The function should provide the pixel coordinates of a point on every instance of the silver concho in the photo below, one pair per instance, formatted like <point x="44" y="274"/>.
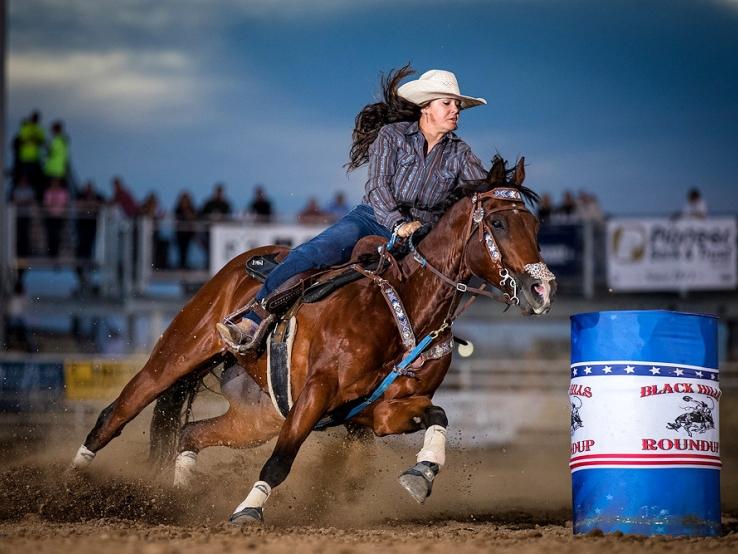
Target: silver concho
<point x="439" y="350"/>
<point x="406" y="330"/>
<point x="478" y="215"/>
<point x="494" y="252"/>
<point x="539" y="271"/>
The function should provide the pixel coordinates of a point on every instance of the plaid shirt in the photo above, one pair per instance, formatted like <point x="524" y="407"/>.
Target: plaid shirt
<point x="401" y="174"/>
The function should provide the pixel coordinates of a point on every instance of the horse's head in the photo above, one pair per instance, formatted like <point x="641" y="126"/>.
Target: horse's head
<point x="502" y="247"/>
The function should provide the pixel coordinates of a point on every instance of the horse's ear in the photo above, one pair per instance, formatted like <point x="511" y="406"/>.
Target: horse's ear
<point x="519" y="176"/>
<point x="497" y="174"/>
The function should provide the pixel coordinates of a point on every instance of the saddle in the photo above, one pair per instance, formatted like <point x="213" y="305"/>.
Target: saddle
<point x="315" y="285"/>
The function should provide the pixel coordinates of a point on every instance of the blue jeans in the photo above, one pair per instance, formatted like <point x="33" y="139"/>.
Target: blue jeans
<point x="331" y="247"/>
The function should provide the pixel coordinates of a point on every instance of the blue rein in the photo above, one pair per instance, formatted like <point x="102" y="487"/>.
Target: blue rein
<point x="397" y="371"/>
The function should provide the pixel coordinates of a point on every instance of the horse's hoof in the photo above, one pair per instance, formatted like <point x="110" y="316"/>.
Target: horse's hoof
<point x="247" y="516"/>
<point x="418" y="480"/>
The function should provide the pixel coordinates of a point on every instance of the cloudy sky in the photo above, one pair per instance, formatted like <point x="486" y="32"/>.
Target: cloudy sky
<point x="634" y="100"/>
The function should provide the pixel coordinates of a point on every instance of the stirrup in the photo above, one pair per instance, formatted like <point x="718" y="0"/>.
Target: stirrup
<point x="251" y="344"/>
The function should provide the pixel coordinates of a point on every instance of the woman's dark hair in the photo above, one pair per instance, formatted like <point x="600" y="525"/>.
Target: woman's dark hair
<point x="373" y="117"/>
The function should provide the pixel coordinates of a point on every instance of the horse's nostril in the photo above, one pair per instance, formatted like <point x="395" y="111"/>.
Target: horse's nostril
<point x="539" y="289"/>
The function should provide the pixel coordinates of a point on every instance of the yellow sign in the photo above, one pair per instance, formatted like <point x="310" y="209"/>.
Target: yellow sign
<point x="98" y="379"/>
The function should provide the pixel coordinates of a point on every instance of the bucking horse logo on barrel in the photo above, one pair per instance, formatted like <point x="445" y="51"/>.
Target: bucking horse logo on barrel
<point x="696" y="419"/>
<point x="576" y="419"/>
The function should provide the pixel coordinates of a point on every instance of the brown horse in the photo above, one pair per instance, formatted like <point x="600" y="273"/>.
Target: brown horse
<point x="344" y="347"/>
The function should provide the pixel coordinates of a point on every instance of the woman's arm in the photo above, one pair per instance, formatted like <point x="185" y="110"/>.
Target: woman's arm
<point x="471" y="168"/>
<point x="382" y="166"/>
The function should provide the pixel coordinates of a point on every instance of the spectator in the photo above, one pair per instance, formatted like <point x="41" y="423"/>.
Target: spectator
<point x="312" y="214"/>
<point x="216" y="207"/>
<point x="160" y="246"/>
<point x="88" y="204"/>
<point x="338" y="207"/>
<point x="56" y="201"/>
<point x="567" y="210"/>
<point x="588" y="208"/>
<point x="260" y="207"/>
<point x="15" y="146"/>
<point x="545" y="209"/>
<point x="31" y="139"/>
<point x="123" y="199"/>
<point x="150" y="207"/>
<point x="696" y="207"/>
<point x="57" y="158"/>
<point x="24" y="200"/>
<point x="186" y="218"/>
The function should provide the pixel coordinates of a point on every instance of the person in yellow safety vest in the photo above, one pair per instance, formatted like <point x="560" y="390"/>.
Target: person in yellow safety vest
<point x="57" y="159"/>
<point x="31" y="139"/>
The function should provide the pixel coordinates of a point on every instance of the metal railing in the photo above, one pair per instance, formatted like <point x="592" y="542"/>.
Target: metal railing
<point x="129" y="256"/>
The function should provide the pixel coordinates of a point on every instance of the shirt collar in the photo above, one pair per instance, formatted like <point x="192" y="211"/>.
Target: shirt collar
<point x="414" y="129"/>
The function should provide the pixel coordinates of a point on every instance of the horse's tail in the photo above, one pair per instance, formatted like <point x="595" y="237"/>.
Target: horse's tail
<point x="171" y="412"/>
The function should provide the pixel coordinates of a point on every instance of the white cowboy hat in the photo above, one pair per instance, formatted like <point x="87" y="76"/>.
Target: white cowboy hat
<point x="433" y="84"/>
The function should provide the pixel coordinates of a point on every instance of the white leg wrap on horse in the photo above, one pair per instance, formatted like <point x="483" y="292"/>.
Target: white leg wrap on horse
<point x="83" y="458"/>
<point x="434" y="446"/>
<point x="257" y="497"/>
<point x="184" y="468"/>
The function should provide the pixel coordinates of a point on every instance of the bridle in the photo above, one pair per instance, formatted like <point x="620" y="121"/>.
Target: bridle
<point x="477" y="222"/>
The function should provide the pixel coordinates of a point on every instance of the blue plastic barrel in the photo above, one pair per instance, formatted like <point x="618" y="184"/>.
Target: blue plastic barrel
<point x="645" y="446"/>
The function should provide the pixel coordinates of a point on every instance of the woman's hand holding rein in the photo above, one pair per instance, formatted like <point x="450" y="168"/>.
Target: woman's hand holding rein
<point x="407" y="229"/>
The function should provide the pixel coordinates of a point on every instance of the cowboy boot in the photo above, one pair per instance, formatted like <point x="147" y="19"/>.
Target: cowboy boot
<point x="236" y="334"/>
<point x="244" y="336"/>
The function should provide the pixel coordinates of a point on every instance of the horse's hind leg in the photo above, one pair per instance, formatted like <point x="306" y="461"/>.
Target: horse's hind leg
<point x="157" y="375"/>
<point x="250" y="421"/>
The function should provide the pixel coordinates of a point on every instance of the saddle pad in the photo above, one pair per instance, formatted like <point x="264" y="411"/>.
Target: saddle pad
<point x="279" y="355"/>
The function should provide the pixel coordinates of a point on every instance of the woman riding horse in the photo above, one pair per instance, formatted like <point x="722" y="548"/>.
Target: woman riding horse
<point x="346" y="368"/>
<point x="415" y="159"/>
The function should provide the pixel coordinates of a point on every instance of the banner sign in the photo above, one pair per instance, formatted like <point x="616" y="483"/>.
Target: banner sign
<point x="26" y="386"/>
<point x="562" y="249"/>
<point x="667" y="255"/>
<point x="228" y="240"/>
<point x="98" y="379"/>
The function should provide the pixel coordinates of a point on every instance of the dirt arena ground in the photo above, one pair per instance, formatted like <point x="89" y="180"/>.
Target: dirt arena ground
<point x="503" y="499"/>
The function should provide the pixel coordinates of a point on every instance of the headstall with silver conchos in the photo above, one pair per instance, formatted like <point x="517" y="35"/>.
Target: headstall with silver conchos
<point x="537" y="270"/>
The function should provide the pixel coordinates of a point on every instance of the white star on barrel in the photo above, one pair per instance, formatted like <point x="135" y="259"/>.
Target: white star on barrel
<point x="629" y="369"/>
<point x="655" y="370"/>
<point x="607" y="369"/>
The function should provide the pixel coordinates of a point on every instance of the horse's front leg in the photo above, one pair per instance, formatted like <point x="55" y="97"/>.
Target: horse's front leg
<point x="406" y="416"/>
<point x="307" y="411"/>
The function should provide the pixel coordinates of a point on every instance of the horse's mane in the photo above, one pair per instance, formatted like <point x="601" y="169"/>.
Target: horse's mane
<point x="493" y="180"/>
<point x="498" y="176"/>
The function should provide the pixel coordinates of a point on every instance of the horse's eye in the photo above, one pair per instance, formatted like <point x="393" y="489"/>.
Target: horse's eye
<point x="497" y="224"/>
